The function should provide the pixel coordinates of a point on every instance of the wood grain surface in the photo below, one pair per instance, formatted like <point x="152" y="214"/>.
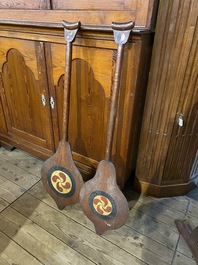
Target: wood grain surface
<point x="25" y="4"/>
<point x="167" y="151"/>
<point x="95" y="12"/>
<point x="34" y="231"/>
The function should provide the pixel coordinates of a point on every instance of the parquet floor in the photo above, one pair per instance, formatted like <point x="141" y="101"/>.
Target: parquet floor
<point x="34" y="231"/>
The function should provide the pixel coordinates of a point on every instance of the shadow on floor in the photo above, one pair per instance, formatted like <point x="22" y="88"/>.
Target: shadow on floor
<point x="193" y="194"/>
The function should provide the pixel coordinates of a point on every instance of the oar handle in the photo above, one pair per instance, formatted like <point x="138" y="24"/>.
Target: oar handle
<point x="123" y="26"/>
<point x="70" y="31"/>
<point x="121" y="35"/>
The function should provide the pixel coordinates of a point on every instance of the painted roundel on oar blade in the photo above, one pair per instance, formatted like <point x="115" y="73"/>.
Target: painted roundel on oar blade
<point x="61" y="181"/>
<point x="102" y="204"/>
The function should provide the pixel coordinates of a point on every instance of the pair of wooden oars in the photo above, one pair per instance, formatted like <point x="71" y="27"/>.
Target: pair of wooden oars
<point x="101" y="199"/>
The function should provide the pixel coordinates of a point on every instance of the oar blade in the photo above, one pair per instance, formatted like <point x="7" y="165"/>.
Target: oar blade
<point x="61" y="178"/>
<point x="102" y="201"/>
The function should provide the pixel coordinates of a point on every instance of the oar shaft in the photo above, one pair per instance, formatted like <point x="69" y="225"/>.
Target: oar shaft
<point x="66" y="97"/>
<point x="70" y="31"/>
<point x="121" y="35"/>
<point x="114" y="102"/>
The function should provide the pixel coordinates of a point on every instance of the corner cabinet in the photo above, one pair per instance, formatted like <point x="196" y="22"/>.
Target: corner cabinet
<point x="32" y="61"/>
<point x="167" y="163"/>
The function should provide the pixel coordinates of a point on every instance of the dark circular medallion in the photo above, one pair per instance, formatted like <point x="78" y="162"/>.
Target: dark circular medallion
<point x="61" y="181"/>
<point x="102" y="204"/>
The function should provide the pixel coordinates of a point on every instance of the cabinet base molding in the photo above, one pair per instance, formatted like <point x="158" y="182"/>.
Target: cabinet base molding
<point x="86" y="165"/>
<point x="160" y="191"/>
<point x="7" y="146"/>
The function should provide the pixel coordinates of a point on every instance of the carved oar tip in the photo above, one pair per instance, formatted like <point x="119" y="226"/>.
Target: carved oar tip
<point x="123" y="25"/>
<point x="71" y="25"/>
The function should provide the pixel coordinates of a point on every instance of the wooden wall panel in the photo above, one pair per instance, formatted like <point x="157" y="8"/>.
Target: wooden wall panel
<point x="166" y="151"/>
<point x="143" y="12"/>
<point x="25" y="4"/>
<point x="95" y="5"/>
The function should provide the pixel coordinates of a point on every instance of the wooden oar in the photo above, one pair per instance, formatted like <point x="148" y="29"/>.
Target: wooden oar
<point x="59" y="175"/>
<point x="101" y="199"/>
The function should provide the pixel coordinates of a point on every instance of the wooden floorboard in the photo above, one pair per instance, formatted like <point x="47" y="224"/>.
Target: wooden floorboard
<point x="3" y="204"/>
<point x="18" y="176"/>
<point x="35" y="240"/>
<point x="73" y="234"/>
<point x="34" y="231"/>
<point x="9" y="191"/>
<point x="125" y="238"/>
<point x="14" y="254"/>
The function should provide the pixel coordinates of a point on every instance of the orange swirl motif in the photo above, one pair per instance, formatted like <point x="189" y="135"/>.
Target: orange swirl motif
<point x="61" y="182"/>
<point x="102" y="205"/>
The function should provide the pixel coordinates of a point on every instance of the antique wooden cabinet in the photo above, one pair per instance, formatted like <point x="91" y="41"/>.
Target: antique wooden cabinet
<point x="169" y="137"/>
<point x="32" y="60"/>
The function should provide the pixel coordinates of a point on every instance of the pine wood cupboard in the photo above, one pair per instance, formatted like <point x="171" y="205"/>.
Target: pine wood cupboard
<point x="32" y="60"/>
<point x="167" y="161"/>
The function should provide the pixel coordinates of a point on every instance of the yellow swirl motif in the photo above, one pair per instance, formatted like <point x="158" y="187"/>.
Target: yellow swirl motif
<point x="61" y="182"/>
<point x="102" y="205"/>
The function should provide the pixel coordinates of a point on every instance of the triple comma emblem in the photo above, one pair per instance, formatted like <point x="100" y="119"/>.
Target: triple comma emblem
<point x="102" y="204"/>
<point x="61" y="181"/>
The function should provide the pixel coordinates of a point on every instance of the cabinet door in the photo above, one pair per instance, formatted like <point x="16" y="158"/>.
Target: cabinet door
<point x="24" y="94"/>
<point x="2" y="120"/>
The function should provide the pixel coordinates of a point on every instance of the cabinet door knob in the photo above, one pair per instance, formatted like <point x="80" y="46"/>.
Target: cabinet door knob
<point x="52" y="102"/>
<point x="180" y="120"/>
<point x="43" y="100"/>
